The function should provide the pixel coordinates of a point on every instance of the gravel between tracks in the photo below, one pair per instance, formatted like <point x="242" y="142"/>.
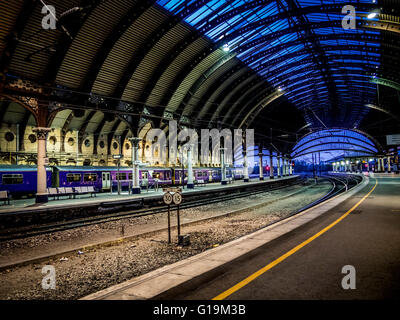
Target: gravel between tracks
<point x="97" y="269"/>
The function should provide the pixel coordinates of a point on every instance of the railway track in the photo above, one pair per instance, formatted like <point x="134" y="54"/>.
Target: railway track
<point x="339" y="184"/>
<point x="34" y="230"/>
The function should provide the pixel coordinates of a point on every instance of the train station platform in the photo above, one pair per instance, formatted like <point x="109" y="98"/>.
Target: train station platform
<point x="111" y="198"/>
<point x="299" y="258"/>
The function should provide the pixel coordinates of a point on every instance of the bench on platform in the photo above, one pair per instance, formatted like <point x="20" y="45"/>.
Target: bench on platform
<point x="59" y="192"/>
<point x="85" y="190"/>
<point x="200" y="182"/>
<point x="4" y="196"/>
<point x="52" y="192"/>
<point x="66" y="191"/>
<point x="92" y="191"/>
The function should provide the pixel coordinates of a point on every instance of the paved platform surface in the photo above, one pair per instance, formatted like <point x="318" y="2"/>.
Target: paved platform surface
<point x="368" y="239"/>
<point x="29" y="204"/>
<point x="316" y="273"/>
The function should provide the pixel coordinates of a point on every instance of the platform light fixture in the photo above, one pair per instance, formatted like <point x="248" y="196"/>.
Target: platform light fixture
<point x="226" y="47"/>
<point x="373" y="14"/>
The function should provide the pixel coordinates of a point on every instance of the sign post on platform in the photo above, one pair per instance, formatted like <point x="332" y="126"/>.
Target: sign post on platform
<point x="168" y="200"/>
<point x="173" y="195"/>
<point x="177" y="198"/>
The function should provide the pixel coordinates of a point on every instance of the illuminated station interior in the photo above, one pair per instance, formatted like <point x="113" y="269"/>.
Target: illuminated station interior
<point x="113" y="111"/>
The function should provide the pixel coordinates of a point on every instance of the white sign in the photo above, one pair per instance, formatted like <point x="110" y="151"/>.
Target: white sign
<point x="177" y="198"/>
<point x="393" y="139"/>
<point x="167" y="198"/>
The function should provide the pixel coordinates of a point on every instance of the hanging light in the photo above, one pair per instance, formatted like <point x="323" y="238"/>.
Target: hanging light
<point x="373" y="14"/>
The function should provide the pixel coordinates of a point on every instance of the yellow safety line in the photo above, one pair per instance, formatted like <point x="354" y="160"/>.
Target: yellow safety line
<point x="269" y="266"/>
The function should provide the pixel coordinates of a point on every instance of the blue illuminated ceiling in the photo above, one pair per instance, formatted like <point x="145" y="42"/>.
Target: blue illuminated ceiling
<point x="299" y="46"/>
<point x="346" y="142"/>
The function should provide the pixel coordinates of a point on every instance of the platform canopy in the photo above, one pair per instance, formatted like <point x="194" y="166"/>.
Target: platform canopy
<point x="282" y="67"/>
<point x="336" y="142"/>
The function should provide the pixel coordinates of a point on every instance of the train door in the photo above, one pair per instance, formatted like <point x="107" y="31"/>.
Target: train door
<point x="106" y="180"/>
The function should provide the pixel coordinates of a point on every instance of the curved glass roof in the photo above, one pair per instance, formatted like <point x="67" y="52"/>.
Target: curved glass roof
<point x="337" y="142"/>
<point x="299" y="46"/>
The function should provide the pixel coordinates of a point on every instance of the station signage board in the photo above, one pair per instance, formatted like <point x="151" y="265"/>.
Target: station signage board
<point x="393" y="139"/>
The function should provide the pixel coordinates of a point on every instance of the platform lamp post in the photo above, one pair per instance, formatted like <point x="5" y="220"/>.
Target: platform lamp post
<point x="135" y="164"/>
<point x="223" y="168"/>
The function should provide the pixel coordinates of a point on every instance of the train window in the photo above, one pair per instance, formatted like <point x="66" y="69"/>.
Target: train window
<point x="122" y="176"/>
<point x="130" y="176"/>
<point x="88" y="177"/>
<point x="73" y="177"/>
<point x="156" y="175"/>
<point x="13" y="179"/>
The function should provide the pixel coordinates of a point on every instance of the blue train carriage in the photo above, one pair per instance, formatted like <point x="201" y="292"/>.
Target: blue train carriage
<point x="199" y="173"/>
<point x="21" y="181"/>
<point x="163" y="175"/>
<point x="103" y="179"/>
<point x="79" y="176"/>
<point x="147" y="177"/>
<point x="237" y="173"/>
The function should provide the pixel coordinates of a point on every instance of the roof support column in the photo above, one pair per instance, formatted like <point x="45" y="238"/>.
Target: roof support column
<point x="135" y="165"/>
<point x="388" y="164"/>
<point x="190" y="184"/>
<point x="260" y="162"/>
<point x="271" y="165"/>
<point x="245" y="167"/>
<point x="41" y="192"/>
<point x="279" y="165"/>
<point x="284" y="167"/>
